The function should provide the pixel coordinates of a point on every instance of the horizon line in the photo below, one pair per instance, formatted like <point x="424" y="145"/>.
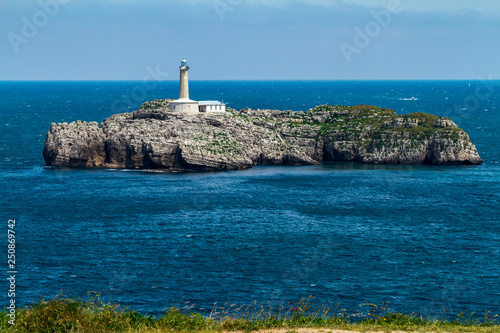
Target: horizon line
<point x="254" y="80"/>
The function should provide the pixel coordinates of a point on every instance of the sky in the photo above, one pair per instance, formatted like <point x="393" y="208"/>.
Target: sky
<point x="250" y="39"/>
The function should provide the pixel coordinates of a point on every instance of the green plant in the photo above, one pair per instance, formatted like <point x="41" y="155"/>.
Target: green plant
<point x="63" y="314"/>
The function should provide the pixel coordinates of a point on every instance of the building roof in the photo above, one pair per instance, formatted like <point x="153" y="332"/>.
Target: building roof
<point x="210" y="103"/>
<point x="183" y="100"/>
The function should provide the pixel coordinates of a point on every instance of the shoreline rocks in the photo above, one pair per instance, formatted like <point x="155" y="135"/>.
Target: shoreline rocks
<point x="154" y="138"/>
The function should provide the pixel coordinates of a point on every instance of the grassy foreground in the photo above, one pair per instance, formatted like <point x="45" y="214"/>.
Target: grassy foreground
<point x="63" y="314"/>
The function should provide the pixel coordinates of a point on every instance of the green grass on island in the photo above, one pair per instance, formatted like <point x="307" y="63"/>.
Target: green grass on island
<point x="353" y="121"/>
<point x="62" y="314"/>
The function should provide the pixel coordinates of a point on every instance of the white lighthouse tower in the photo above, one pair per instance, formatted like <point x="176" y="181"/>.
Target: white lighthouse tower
<point x="184" y="80"/>
<point x="184" y="104"/>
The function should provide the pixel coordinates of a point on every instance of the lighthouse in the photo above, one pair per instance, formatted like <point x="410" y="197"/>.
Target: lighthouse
<point x="184" y="80"/>
<point x="186" y="106"/>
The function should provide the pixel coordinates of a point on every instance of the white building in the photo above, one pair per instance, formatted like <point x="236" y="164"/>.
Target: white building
<point x="211" y="106"/>
<point x="188" y="106"/>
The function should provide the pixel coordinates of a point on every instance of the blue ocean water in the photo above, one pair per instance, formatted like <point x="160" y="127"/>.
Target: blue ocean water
<point x="423" y="238"/>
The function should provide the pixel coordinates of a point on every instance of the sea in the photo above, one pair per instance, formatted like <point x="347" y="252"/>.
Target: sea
<point x="424" y="239"/>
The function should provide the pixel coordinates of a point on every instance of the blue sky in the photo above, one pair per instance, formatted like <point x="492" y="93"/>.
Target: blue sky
<point x="249" y="39"/>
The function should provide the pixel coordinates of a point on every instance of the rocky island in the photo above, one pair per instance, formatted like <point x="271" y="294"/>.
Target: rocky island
<point x="155" y="138"/>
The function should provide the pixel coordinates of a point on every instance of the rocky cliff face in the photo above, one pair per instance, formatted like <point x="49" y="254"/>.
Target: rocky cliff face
<point x="153" y="138"/>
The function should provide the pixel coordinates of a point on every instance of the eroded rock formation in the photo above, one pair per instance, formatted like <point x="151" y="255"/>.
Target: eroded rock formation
<point x="153" y="138"/>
